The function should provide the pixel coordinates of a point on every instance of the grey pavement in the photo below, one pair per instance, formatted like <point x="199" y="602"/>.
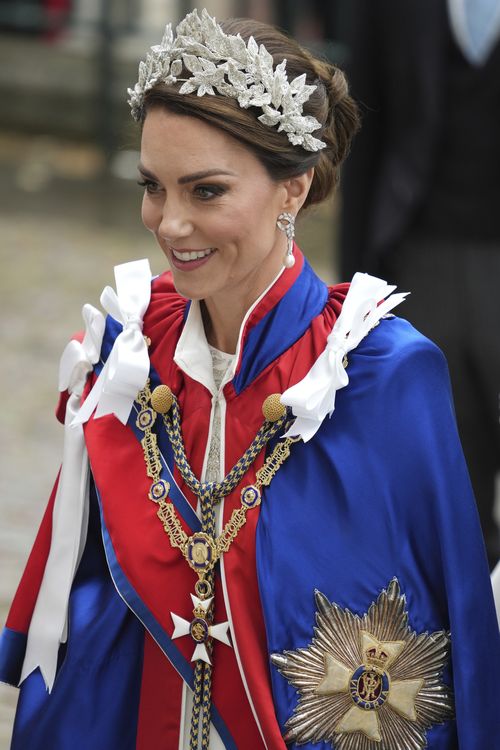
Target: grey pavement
<point x="62" y="229"/>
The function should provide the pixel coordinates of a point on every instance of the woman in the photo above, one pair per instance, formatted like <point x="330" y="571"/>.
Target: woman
<point x="254" y="573"/>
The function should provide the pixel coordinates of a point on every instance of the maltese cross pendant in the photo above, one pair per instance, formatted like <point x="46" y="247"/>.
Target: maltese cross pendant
<point x="199" y="628"/>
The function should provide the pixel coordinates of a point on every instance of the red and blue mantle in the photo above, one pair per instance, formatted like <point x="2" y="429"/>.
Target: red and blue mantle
<point x="380" y="491"/>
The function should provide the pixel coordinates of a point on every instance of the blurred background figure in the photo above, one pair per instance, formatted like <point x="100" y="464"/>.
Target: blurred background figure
<point x="47" y="18"/>
<point x="421" y="194"/>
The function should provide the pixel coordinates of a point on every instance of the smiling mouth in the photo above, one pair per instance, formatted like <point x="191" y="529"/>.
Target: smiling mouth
<point x="188" y="255"/>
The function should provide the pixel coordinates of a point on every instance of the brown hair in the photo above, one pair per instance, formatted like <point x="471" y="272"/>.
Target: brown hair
<point x="330" y="104"/>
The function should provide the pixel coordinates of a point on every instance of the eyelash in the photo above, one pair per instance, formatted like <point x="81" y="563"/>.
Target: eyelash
<point x="215" y="191"/>
<point x="148" y="185"/>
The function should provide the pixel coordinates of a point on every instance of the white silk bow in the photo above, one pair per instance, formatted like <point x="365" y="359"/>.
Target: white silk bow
<point x="114" y="392"/>
<point x="127" y="367"/>
<point x="70" y="515"/>
<point x="313" y="398"/>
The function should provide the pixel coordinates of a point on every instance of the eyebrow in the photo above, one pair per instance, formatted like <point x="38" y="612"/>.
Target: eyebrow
<point x="191" y="177"/>
<point x="202" y="175"/>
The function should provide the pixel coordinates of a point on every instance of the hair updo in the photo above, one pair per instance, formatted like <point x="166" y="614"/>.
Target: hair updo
<point x="330" y="104"/>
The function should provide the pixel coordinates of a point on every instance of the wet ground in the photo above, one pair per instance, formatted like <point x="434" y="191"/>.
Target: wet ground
<point x="62" y="229"/>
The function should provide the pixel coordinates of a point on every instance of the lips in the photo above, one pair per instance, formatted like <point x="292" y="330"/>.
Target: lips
<point x="188" y="259"/>
<point x="190" y="255"/>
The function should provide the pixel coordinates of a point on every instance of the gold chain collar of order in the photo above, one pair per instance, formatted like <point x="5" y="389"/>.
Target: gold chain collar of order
<point x="200" y="550"/>
<point x="203" y="549"/>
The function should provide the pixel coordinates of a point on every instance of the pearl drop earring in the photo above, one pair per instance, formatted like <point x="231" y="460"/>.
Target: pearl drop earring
<point x="286" y="223"/>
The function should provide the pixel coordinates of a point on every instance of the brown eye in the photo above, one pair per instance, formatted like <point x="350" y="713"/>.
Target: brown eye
<point x="206" y="192"/>
<point x="149" y="186"/>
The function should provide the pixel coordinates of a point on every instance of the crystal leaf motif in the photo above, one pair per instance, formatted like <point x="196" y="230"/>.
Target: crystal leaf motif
<point x="224" y="64"/>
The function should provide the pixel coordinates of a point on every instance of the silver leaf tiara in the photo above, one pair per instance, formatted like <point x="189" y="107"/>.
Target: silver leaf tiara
<point x="224" y="64"/>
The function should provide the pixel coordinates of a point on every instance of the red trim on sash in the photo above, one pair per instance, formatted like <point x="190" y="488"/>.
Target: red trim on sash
<point x="24" y="601"/>
<point x="243" y="419"/>
<point x="158" y="572"/>
<point x="139" y="541"/>
<point x="277" y="291"/>
<point x="161" y="700"/>
<point x="247" y="620"/>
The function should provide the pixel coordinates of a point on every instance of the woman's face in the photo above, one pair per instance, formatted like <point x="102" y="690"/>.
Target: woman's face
<point x="212" y="208"/>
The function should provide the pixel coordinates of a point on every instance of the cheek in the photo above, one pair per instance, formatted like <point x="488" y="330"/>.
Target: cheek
<point x="150" y="214"/>
<point x="266" y="206"/>
<point x="257" y="216"/>
<point x="261" y="220"/>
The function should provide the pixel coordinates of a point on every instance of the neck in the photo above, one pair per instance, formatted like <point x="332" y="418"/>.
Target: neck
<point x="222" y="330"/>
<point x="223" y="315"/>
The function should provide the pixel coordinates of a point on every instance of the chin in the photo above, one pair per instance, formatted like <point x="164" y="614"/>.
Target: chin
<point x="187" y="290"/>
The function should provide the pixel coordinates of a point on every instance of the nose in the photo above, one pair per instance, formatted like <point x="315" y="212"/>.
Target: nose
<point x="175" y="223"/>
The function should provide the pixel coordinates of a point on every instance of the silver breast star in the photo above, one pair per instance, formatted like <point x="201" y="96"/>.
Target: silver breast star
<point x="368" y="682"/>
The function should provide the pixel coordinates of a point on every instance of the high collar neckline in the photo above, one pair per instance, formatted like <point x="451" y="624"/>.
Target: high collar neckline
<point x="192" y="353"/>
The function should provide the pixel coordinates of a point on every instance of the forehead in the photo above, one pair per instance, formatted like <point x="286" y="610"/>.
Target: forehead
<point x="184" y="143"/>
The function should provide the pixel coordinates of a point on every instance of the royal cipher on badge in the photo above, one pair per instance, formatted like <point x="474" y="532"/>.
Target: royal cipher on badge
<point x="370" y="682"/>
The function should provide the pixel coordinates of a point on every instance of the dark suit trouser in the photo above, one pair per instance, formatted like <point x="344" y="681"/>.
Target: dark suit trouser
<point x="455" y="301"/>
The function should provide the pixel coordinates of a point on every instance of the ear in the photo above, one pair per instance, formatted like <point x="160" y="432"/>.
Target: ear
<point x="296" y="190"/>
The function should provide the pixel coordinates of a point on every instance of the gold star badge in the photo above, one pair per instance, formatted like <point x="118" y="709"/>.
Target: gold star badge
<point x="367" y="683"/>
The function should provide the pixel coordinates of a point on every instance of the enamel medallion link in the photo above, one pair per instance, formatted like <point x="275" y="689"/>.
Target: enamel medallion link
<point x="203" y="549"/>
<point x="198" y="549"/>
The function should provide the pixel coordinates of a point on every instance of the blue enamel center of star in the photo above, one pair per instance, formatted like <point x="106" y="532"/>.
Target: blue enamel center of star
<point x="369" y="687"/>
